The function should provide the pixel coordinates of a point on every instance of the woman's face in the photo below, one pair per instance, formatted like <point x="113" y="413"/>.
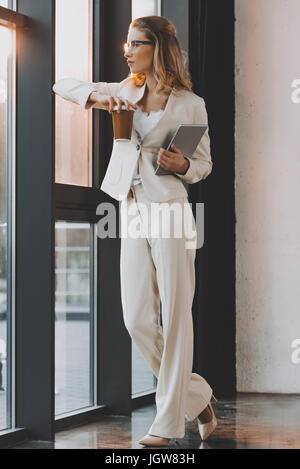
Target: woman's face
<point x="140" y="58"/>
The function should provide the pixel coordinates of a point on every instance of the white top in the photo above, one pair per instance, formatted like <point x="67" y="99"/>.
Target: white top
<point x="143" y="123"/>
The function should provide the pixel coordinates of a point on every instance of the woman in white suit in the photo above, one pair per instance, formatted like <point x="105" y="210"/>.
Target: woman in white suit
<point x="155" y="266"/>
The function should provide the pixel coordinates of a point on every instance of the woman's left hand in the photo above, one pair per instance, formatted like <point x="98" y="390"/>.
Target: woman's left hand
<point x="172" y="160"/>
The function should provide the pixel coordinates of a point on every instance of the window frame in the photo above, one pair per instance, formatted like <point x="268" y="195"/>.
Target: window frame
<point x="35" y="274"/>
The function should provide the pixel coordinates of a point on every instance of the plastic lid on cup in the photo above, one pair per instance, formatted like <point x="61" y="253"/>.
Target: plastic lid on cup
<point x="123" y="108"/>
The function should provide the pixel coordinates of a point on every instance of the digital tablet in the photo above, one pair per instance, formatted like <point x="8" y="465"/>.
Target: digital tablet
<point x="187" y="137"/>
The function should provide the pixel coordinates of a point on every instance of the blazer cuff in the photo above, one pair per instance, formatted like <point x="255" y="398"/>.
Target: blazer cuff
<point x="82" y="98"/>
<point x="186" y="172"/>
<point x="75" y="90"/>
<point x="85" y="103"/>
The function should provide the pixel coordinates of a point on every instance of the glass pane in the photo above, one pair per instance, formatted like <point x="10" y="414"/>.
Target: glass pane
<point x="8" y="4"/>
<point x="7" y="76"/>
<point x="74" y="26"/>
<point x="74" y="318"/>
<point x="145" y="8"/>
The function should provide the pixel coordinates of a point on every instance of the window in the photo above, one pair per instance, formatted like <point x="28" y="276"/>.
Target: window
<point x="7" y="129"/>
<point x="75" y="242"/>
<point x="145" y="8"/>
<point x="74" y="316"/>
<point x="74" y="50"/>
<point x="52" y="320"/>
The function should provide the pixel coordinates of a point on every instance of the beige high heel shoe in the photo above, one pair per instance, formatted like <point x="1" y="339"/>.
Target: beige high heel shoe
<point x="152" y="440"/>
<point x="205" y="429"/>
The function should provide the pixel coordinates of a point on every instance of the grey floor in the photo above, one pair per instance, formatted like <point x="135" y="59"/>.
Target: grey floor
<point x="247" y="421"/>
<point x="72" y="373"/>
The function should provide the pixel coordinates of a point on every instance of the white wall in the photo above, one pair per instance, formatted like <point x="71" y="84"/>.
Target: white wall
<point x="267" y="194"/>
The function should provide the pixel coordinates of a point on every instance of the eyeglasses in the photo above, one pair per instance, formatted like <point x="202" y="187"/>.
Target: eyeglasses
<point x="134" y="44"/>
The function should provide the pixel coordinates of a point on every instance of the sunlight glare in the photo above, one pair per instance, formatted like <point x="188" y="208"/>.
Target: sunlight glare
<point x="5" y="51"/>
<point x="5" y="43"/>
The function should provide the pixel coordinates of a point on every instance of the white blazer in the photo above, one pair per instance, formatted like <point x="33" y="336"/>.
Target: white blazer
<point x="183" y="107"/>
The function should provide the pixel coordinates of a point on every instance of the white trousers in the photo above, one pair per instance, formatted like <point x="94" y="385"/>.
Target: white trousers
<point x="156" y="266"/>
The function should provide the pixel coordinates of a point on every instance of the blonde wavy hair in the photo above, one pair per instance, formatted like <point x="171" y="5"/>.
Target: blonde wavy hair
<point x="170" y="62"/>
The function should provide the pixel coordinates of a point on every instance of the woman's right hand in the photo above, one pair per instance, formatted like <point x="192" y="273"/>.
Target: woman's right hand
<point x="109" y="102"/>
<point x="119" y="101"/>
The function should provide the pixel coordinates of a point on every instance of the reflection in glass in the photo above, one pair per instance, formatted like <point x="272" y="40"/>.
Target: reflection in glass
<point x="73" y="131"/>
<point x="74" y="318"/>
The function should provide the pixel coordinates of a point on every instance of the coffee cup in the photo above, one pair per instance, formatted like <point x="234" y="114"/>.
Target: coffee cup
<point x="122" y="123"/>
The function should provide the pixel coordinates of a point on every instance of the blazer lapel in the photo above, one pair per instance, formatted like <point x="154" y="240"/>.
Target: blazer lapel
<point x="159" y="123"/>
<point x="131" y="92"/>
<point x="134" y="94"/>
